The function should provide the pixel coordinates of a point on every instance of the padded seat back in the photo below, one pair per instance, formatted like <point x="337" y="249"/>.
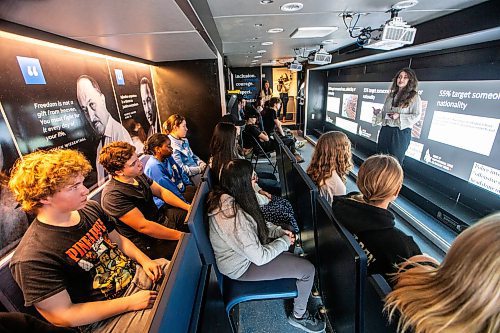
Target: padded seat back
<point x="342" y="271"/>
<point x="179" y="298"/>
<point x="376" y="320"/>
<point x="304" y="196"/>
<point x="198" y="224"/>
<point x="288" y="162"/>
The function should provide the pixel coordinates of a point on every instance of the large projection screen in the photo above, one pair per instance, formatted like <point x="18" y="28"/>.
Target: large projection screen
<point x="457" y="132"/>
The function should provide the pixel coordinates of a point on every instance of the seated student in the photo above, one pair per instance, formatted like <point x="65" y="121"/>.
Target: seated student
<point x="273" y="125"/>
<point x="128" y="197"/>
<point x="72" y="264"/>
<point x="276" y="209"/>
<point x="161" y="168"/>
<point x="247" y="248"/>
<point x="460" y="295"/>
<point x="366" y="215"/>
<point x="330" y="164"/>
<point x="252" y="131"/>
<point x="176" y="128"/>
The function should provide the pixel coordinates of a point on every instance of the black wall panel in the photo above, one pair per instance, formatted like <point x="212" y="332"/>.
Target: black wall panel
<point x="191" y="89"/>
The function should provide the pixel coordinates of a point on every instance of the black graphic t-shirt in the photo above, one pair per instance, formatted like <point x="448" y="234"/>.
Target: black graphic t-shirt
<point x="81" y="259"/>
<point x="120" y="198"/>
<point x="268" y="117"/>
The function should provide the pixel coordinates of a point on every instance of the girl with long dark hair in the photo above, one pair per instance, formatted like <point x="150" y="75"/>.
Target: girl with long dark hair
<point x="276" y="209"/>
<point x="401" y="110"/>
<point x="247" y="248"/>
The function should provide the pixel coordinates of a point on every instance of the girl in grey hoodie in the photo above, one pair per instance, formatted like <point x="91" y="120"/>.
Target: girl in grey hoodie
<point x="248" y="248"/>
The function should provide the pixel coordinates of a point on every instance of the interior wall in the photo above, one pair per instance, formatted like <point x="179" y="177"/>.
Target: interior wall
<point x="316" y="101"/>
<point x="191" y="89"/>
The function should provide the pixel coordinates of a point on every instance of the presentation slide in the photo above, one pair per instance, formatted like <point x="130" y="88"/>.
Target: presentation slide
<point x="457" y="131"/>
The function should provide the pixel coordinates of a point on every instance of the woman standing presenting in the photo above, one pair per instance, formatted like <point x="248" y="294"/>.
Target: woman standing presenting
<point x="402" y="109"/>
<point x="266" y="93"/>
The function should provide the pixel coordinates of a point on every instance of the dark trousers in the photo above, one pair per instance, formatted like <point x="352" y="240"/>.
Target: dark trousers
<point x="393" y="141"/>
<point x="284" y="102"/>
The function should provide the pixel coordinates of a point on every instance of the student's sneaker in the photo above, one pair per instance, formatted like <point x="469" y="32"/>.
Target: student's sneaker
<point x="299" y="158"/>
<point x="300" y="144"/>
<point x="308" y="322"/>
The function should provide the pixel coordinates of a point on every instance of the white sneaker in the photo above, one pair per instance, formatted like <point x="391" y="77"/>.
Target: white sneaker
<point x="300" y="144"/>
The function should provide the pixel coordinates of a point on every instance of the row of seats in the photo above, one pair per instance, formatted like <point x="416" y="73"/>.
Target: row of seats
<point x="353" y="300"/>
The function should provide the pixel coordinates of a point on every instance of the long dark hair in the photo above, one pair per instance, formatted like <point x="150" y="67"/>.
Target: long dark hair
<point x="222" y="147"/>
<point x="409" y="91"/>
<point x="155" y="140"/>
<point x="236" y="181"/>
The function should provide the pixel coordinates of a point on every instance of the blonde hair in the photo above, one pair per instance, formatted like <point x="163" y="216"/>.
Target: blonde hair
<point x="462" y="294"/>
<point x="332" y="153"/>
<point x="43" y="173"/>
<point x="379" y="178"/>
<point x="174" y="120"/>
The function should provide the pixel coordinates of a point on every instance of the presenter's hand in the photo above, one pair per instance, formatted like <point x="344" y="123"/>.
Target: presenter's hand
<point x="394" y="116"/>
<point x="376" y="111"/>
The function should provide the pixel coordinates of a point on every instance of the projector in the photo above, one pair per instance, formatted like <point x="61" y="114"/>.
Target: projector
<point x="295" y="66"/>
<point x="395" y="33"/>
<point x="321" y="57"/>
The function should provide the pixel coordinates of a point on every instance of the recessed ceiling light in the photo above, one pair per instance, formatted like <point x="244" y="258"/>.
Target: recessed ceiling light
<point x="292" y="7"/>
<point x="265" y="2"/>
<point x="328" y="41"/>
<point x="261" y="51"/>
<point x="257" y="56"/>
<point x="255" y="60"/>
<point x="266" y="43"/>
<point x="258" y="24"/>
<point x="404" y="4"/>
<point x="275" y="30"/>
<point x="313" y="32"/>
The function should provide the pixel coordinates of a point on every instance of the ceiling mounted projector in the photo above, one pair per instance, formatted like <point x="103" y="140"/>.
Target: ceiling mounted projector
<point x="295" y="66"/>
<point x="393" y="34"/>
<point x="320" y="57"/>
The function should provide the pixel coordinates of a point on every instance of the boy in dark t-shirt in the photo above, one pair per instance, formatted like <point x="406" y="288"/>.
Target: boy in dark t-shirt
<point x="252" y="132"/>
<point x="128" y="197"/>
<point x="71" y="264"/>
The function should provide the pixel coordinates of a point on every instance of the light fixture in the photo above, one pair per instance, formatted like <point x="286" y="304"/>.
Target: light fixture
<point x="312" y="32"/>
<point x="328" y="41"/>
<point x="257" y="56"/>
<point x="404" y="4"/>
<point x="261" y="51"/>
<point x="255" y="38"/>
<point x="266" y="2"/>
<point x="292" y="7"/>
<point x="257" y="25"/>
<point x="266" y="43"/>
<point x="275" y="30"/>
<point x="252" y="46"/>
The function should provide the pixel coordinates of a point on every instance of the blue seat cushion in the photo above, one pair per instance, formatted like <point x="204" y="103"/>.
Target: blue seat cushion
<point x="236" y="292"/>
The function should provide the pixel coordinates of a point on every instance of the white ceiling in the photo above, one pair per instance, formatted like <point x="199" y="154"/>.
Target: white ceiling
<point x="158" y="30"/>
<point x="236" y="21"/>
<point x="149" y="29"/>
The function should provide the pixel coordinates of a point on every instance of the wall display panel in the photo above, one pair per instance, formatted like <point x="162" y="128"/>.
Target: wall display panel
<point x="59" y="97"/>
<point x="285" y="87"/>
<point x="13" y="220"/>
<point x="457" y="131"/>
<point x="248" y="81"/>
<point x="136" y="99"/>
